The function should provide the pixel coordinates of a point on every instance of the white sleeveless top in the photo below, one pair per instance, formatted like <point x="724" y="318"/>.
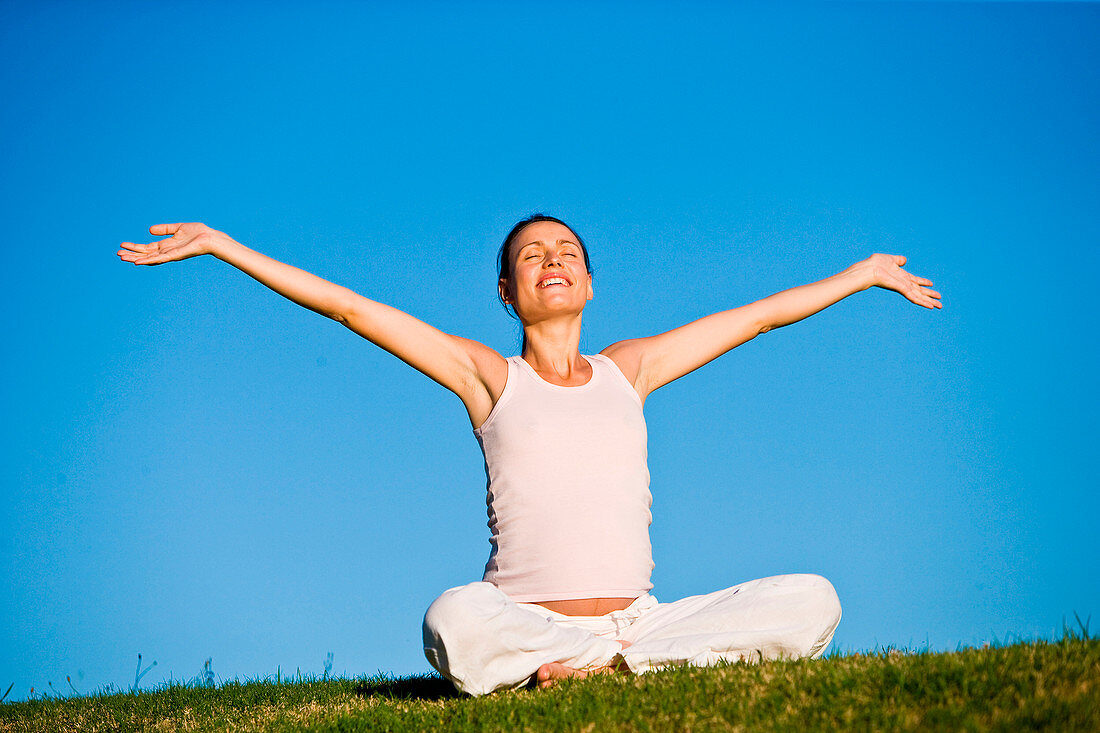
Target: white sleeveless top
<point x="568" y="487"/>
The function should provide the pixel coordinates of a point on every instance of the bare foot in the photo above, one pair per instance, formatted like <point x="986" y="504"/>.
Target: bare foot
<point x="553" y="672"/>
<point x="550" y="674"/>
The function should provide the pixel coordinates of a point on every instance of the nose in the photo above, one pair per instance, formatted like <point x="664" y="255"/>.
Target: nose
<point x="552" y="258"/>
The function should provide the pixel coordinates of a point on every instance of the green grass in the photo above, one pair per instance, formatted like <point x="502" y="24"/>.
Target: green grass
<point x="1035" y="685"/>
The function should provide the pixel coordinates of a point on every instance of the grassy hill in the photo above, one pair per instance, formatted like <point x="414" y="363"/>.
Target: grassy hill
<point x="1035" y="685"/>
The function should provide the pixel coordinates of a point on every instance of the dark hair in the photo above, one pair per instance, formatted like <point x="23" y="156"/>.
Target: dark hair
<point x="502" y="255"/>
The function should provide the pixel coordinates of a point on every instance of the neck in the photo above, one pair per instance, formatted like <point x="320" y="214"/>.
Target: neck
<point x="554" y="346"/>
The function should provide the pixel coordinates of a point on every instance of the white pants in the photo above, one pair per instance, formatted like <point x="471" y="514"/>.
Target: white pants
<point x="482" y="641"/>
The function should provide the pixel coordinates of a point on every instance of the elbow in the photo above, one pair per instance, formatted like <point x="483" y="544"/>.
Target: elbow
<point x="343" y="310"/>
<point x="338" y="315"/>
<point x="770" y="326"/>
<point x="761" y="318"/>
<point x="335" y="313"/>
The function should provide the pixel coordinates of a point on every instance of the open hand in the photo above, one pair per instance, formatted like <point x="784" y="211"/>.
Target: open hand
<point x="185" y="240"/>
<point x="888" y="274"/>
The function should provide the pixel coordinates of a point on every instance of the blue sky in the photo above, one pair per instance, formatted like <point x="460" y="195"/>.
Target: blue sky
<point x="195" y="468"/>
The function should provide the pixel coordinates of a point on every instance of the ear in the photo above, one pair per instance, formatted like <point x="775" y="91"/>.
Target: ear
<point x="505" y="293"/>
<point x="590" y="294"/>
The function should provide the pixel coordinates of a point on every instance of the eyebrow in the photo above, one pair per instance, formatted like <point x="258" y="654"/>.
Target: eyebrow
<point x="539" y="241"/>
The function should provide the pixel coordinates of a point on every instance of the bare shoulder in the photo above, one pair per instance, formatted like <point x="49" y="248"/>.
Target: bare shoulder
<point x="627" y="355"/>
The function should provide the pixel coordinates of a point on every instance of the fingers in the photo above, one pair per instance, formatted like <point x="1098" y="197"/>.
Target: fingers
<point x="915" y="280"/>
<point x="929" y="297"/>
<point x="926" y="297"/>
<point x="914" y="288"/>
<point x="148" y="254"/>
<point x="137" y="258"/>
<point x="140" y="254"/>
<point x="164" y="230"/>
<point x="131" y="251"/>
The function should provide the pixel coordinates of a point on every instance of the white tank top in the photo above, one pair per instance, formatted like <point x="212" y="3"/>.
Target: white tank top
<point x="568" y="487"/>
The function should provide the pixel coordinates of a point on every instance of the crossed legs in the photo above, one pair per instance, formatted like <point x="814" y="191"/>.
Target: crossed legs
<point x="482" y="641"/>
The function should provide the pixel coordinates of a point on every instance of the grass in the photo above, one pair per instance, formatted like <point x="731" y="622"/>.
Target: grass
<point x="1035" y="685"/>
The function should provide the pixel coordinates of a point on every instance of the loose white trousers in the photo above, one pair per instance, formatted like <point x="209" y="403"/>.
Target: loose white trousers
<point x="482" y="641"/>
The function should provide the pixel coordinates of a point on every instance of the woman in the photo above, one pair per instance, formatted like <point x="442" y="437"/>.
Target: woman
<point x="565" y="590"/>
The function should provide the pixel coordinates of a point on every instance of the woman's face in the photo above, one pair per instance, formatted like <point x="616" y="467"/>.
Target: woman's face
<point x="547" y="272"/>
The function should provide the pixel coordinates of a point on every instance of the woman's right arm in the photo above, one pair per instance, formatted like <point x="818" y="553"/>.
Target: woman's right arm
<point x="470" y="369"/>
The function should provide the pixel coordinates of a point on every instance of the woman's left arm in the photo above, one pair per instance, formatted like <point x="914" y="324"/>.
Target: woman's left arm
<point x="652" y="362"/>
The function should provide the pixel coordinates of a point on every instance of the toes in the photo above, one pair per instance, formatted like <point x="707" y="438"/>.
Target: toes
<point x="551" y="673"/>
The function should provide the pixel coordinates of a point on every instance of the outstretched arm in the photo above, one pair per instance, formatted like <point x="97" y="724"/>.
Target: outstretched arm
<point x="651" y="363"/>
<point x="192" y="240"/>
<point x="467" y="368"/>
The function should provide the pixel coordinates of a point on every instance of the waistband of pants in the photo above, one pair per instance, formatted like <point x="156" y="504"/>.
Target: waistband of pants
<point x="609" y="622"/>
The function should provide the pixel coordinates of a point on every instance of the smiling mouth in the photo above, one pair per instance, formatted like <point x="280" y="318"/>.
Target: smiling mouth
<point x="553" y="281"/>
